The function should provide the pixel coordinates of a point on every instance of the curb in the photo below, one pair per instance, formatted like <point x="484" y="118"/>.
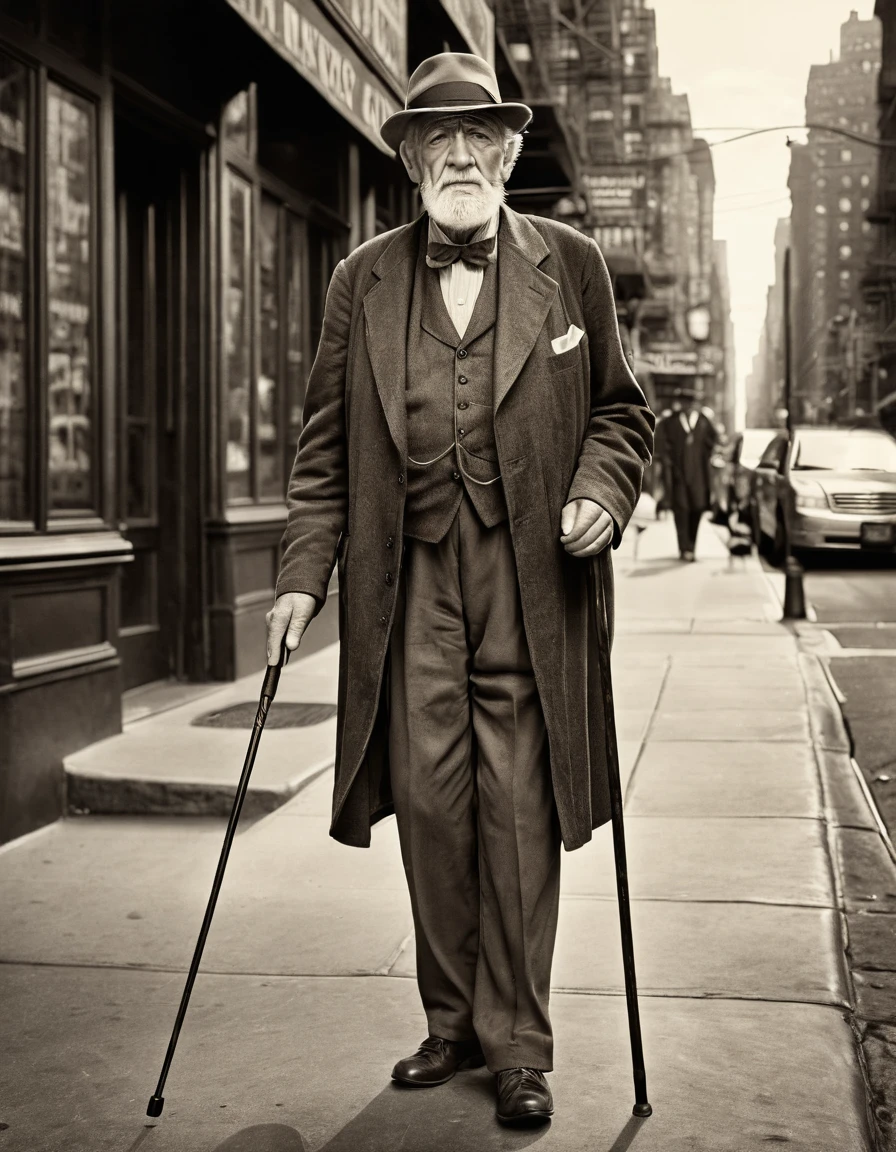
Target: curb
<point x="851" y="817"/>
<point x="95" y="795"/>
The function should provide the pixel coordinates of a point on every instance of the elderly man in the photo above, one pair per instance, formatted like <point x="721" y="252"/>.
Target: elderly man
<point x="473" y="440"/>
<point x="685" y="442"/>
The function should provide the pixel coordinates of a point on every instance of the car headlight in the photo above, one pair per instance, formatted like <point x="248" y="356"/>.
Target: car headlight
<point x="808" y="495"/>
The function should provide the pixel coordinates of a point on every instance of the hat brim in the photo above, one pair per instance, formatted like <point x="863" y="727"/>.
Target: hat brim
<point x="515" y="116"/>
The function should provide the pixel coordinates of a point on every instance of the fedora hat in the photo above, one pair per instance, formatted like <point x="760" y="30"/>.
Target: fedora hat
<point x="453" y="82"/>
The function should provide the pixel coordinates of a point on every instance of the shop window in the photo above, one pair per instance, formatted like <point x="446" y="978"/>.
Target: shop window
<point x="237" y="120"/>
<point x="296" y="313"/>
<point x="237" y="335"/>
<point x="270" y="379"/>
<point x="71" y="415"/>
<point x="14" y="501"/>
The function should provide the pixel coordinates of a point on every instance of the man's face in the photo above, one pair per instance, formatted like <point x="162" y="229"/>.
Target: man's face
<point x="460" y="163"/>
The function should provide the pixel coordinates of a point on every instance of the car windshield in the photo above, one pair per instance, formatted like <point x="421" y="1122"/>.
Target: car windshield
<point x="838" y="451"/>
<point x="755" y="441"/>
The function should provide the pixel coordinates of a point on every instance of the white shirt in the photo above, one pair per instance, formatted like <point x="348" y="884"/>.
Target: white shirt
<point x="460" y="284"/>
<point x="689" y="419"/>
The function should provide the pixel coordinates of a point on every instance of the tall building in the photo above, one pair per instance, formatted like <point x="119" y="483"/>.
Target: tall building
<point x="832" y="185"/>
<point x="722" y="399"/>
<point x="880" y="277"/>
<point x="765" y="385"/>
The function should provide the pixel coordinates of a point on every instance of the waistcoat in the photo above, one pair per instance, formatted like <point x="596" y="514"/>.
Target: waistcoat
<point x="450" y="408"/>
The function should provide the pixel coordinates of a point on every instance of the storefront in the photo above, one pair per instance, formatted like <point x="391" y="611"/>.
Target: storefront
<point x="177" y="183"/>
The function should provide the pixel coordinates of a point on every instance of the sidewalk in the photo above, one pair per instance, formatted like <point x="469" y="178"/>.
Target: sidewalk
<point x="735" y="794"/>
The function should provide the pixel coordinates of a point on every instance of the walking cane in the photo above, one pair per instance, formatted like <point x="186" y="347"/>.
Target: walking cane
<point x="269" y="688"/>
<point x="642" y="1106"/>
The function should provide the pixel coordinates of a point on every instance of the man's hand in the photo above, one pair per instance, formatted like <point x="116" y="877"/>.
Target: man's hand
<point x="586" y="528"/>
<point x="290" y="616"/>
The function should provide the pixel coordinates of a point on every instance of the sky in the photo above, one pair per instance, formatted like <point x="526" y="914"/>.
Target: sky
<point x="745" y="64"/>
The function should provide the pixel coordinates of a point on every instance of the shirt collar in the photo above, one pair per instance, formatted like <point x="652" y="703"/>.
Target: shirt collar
<point x="489" y="228"/>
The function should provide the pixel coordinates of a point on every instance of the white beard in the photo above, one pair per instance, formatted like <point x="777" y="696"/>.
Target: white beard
<point x="462" y="209"/>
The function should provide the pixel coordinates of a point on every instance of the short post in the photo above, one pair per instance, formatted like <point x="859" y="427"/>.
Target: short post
<point x="794" y="593"/>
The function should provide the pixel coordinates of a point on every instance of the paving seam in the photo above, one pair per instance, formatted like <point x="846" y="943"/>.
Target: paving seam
<point x="646" y="734"/>
<point x="556" y="990"/>
<point x="833" y="718"/>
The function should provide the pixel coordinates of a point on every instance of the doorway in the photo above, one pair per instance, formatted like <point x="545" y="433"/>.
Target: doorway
<point x="153" y="182"/>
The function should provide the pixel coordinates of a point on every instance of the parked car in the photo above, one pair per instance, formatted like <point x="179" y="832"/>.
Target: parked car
<point x="830" y="488"/>
<point x="746" y="451"/>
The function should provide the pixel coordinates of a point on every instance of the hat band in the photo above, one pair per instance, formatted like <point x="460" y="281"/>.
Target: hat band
<point x="447" y="95"/>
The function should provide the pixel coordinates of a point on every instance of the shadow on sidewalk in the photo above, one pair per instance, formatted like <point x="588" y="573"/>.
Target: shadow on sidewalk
<point x="652" y="567"/>
<point x="458" y="1118"/>
<point x="263" y="1138"/>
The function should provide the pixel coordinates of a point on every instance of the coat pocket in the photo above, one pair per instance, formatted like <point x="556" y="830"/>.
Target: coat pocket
<point x="571" y="358"/>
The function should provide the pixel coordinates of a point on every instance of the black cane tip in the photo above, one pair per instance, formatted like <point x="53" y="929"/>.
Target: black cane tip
<point x="643" y="1110"/>
<point x="155" y="1106"/>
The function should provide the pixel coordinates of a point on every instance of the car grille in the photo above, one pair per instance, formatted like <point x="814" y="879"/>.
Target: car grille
<point x="865" y="503"/>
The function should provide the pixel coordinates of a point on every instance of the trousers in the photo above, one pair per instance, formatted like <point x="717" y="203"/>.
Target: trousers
<point x="474" y="804"/>
<point x="687" y="524"/>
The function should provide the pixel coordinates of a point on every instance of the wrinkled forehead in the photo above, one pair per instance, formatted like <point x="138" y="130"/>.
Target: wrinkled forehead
<point x="451" y="122"/>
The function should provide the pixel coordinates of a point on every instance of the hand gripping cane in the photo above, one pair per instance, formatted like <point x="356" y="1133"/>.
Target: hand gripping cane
<point x="642" y="1106"/>
<point x="271" y="680"/>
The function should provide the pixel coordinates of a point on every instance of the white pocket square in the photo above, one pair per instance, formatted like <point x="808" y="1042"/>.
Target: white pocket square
<point x="568" y="340"/>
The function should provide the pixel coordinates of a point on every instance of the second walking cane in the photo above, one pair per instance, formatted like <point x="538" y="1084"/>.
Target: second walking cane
<point x="269" y="688"/>
<point x="642" y="1105"/>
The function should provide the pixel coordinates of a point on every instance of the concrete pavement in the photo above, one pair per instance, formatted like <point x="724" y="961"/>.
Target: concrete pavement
<point x="739" y="794"/>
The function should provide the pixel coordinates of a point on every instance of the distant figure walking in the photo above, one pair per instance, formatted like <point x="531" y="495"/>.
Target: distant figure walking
<point x="686" y="440"/>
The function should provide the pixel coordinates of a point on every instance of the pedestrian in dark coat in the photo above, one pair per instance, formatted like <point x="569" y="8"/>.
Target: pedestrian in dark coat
<point x="686" y="440"/>
<point x="469" y="694"/>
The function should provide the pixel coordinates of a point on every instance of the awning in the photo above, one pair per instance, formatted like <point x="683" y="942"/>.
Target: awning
<point x="302" y="35"/>
<point x="475" y="21"/>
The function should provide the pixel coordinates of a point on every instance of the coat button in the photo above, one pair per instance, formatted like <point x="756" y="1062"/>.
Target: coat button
<point x="388" y="577"/>
<point x="455" y="475"/>
<point x="384" y="619"/>
<point x="461" y="431"/>
<point x="463" y="405"/>
<point x="461" y="353"/>
<point x="390" y="543"/>
<point x="462" y="380"/>
<point x="400" y="478"/>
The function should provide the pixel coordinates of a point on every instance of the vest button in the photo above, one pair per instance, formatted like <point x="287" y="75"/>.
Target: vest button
<point x="461" y="431"/>
<point x="400" y="478"/>
<point x="390" y="543"/>
<point x="388" y="577"/>
<point x="461" y="353"/>
<point x="384" y="619"/>
<point x="455" y="475"/>
<point x="461" y="379"/>
<point x="463" y="405"/>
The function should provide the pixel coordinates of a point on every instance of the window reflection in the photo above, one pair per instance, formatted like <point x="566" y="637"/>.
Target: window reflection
<point x="236" y="339"/>
<point x="13" y="274"/>
<point x="270" y="480"/>
<point x="69" y="299"/>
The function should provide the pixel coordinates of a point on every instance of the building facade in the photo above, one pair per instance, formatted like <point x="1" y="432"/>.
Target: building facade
<point x="879" y="282"/>
<point x="765" y="384"/>
<point x="832" y="181"/>
<point x="177" y="183"/>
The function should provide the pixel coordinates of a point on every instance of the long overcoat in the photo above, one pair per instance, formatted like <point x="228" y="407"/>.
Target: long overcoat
<point x="687" y="462"/>
<point x="567" y="425"/>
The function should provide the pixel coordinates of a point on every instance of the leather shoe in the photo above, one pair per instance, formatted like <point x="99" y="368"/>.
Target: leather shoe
<point x="436" y="1061"/>
<point x="524" y="1097"/>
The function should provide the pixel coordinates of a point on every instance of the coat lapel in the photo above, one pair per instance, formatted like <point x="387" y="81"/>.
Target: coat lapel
<point x="525" y="296"/>
<point x="386" y="309"/>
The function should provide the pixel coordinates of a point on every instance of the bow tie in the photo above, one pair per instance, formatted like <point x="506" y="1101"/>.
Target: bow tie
<point x="475" y="255"/>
